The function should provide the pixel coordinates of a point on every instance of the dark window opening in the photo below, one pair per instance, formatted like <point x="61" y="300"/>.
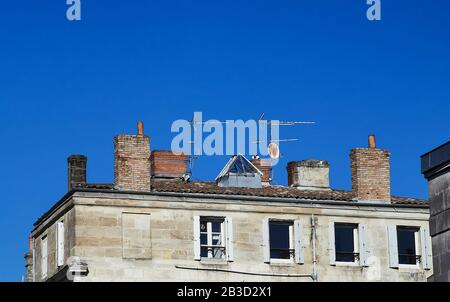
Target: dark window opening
<point x="280" y="235"/>
<point x="345" y="242"/>
<point x="406" y="240"/>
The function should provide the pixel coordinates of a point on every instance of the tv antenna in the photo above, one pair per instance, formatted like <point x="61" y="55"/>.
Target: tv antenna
<point x="273" y="146"/>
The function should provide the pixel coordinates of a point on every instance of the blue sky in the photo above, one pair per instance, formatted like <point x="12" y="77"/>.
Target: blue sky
<point x="69" y="87"/>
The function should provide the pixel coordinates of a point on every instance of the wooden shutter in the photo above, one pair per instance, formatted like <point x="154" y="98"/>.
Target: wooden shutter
<point x="392" y="246"/>
<point x="197" y="237"/>
<point x="266" y="240"/>
<point x="363" y="246"/>
<point x="298" y="237"/>
<point x="331" y="243"/>
<point x="229" y="244"/>
<point x="426" y="249"/>
<point x="60" y="243"/>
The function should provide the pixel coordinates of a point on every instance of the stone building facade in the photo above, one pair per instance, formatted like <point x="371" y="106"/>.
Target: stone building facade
<point x="166" y="228"/>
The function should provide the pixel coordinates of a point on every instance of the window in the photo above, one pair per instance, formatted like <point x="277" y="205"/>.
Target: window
<point x="212" y="238"/>
<point x="281" y="236"/>
<point x="407" y="244"/>
<point x="60" y="243"/>
<point x="44" y="256"/>
<point x="346" y="243"/>
<point x="283" y="241"/>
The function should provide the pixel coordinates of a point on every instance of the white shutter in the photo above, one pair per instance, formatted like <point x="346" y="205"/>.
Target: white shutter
<point x="298" y="237"/>
<point x="197" y="237"/>
<point x="230" y="240"/>
<point x="60" y="243"/>
<point x="425" y="245"/>
<point x="393" y="247"/>
<point x="44" y="257"/>
<point x="266" y="240"/>
<point x="331" y="243"/>
<point x="363" y="246"/>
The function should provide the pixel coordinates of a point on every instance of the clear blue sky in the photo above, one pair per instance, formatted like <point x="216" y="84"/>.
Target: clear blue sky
<point x="69" y="87"/>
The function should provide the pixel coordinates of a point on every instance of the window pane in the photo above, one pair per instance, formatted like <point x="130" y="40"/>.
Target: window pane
<point x="279" y="240"/>
<point x="203" y="239"/>
<point x="217" y="239"/>
<point x="345" y="244"/>
<point x="204" y="252"/>
<point x="406" y="245"/>
<point x="216" y="226"/>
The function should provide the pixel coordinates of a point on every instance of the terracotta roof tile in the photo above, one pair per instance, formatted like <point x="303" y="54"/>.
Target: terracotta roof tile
<point x="273" y="191"/>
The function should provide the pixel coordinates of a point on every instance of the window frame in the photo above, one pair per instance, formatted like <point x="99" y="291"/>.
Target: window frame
<point x="209" y="233"/>
<point x="417" y="246"/>
<point x="291" y="231"/>
<point x="356" y="247"/>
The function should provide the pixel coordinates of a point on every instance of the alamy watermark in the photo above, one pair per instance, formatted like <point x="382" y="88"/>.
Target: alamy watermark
<point x="73" y="12"/>
<point x="230" y="137"/>
<point x="374" y="10"/>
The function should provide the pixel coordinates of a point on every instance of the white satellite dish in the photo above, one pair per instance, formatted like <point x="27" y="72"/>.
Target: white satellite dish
<point x="274" y="151"/>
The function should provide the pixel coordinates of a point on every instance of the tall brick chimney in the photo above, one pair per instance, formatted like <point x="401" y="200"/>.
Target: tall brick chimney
<point x="76" y="170"/>
<point x="265" y="167"/>
<point x="370" y="168"/>
<point x="132" y="161"/>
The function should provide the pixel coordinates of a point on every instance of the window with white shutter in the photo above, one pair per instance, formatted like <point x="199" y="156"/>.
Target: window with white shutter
<point x="213" y="238"/>
<point x="283" y="241"/>
<point x="348" y="244"/>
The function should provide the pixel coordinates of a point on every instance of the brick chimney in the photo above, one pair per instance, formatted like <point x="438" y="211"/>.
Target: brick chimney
<point x="166" y="165"/>
<point x="76" y="170"/>
<point x="370" y="168"/>
<point x="309" y="174"/>
<point x="265" y="167"/>
<point x="132" y="161"/>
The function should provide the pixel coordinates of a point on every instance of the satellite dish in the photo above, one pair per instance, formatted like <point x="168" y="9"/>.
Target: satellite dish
<point x="274" y="151"/>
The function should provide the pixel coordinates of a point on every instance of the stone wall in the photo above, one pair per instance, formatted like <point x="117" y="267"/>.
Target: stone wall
<point x="102" y="219"/>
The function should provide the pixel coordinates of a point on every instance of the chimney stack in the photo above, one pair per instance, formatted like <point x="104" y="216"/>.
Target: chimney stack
<point x="166" y="165"/>
<point x="132" y="161"/>
<point x="370" y="168"/>
<point x="265" y="167"/>
<point x="77" y="171"/>
<point x="309" y="174"/>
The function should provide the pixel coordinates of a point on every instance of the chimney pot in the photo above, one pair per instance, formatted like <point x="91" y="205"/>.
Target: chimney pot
<point x="372" y="142"/>
<point x="140" y="128"/>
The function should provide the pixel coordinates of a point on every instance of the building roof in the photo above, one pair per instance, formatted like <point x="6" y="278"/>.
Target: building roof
<point x="211" y="188"/>
<point x="270" y="191"/>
